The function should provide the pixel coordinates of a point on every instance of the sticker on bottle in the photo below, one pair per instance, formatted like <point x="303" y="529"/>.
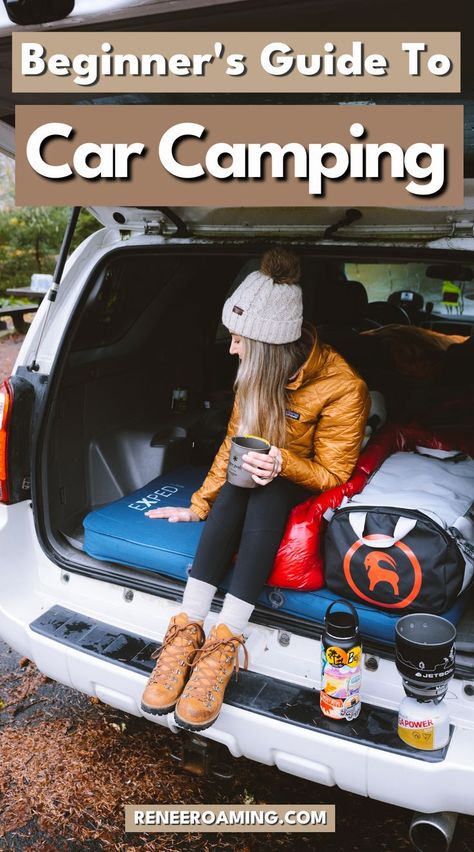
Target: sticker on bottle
<point x="351" y="707"/>
<point x="338" y="657"/>
<point x="332" y="707"/>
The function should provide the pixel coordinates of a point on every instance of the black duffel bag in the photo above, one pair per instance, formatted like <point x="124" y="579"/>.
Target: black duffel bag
<point x="410" y="552"/>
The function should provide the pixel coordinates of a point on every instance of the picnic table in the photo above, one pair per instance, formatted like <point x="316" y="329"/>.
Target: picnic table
<point x="26" y="293"/>
<point x="17" y="313"/>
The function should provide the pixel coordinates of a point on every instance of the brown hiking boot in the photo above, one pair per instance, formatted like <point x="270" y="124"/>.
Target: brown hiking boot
<point x="182" y="639"/>
<point x="200" y="703"/>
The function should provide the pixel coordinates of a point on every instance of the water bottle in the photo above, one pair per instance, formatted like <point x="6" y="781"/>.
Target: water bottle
<point x="341" y="663"/>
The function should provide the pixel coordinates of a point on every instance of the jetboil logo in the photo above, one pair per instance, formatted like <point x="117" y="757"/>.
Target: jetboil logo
<point x="392" y="580"/>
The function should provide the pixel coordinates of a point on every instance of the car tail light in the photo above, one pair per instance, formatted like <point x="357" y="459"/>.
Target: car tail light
<point x="5" y="412"/>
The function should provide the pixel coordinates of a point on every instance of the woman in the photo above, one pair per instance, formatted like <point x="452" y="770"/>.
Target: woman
<point x="312" y="407"/>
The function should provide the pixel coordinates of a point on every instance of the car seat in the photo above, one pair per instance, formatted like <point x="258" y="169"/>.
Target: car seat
<point x="357" y="301"/>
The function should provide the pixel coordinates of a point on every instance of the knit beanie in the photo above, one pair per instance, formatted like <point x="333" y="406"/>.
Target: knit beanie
<point x="268" y="304"/>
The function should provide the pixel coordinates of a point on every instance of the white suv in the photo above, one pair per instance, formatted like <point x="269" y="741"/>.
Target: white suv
<point x="86" y="418"/>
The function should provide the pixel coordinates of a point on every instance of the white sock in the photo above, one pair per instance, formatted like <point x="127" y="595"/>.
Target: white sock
<point x="235" y="613"/>
<point x="197" y="598"/>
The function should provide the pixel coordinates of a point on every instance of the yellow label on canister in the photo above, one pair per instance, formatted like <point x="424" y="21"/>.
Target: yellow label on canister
<point x="416" y="734"/>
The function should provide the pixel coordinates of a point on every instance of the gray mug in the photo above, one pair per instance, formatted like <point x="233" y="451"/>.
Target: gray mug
<point x="240" y="445"/>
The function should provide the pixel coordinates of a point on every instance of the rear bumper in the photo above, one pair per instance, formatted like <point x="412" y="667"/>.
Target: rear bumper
<point x="278" y="725"/>
<point x="274" y="722"/>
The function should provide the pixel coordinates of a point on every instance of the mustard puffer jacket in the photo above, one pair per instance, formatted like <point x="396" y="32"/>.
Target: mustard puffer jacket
<point x="328" y="406"/>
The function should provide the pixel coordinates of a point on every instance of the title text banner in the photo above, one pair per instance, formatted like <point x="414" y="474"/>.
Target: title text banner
<point x="242" y="62"/>
<point x="240" y="155"/>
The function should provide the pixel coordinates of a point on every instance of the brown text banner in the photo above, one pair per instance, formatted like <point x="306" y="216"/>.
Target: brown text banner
<point x="402" y="156"/>
<point x="189" y="63"/>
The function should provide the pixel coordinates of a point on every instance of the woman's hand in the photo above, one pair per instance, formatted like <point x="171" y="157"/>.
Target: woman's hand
<point x="173" y="513"/>
<point x="263" y="467"/>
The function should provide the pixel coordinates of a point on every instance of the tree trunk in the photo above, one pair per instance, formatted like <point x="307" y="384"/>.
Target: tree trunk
<point x="38" y="253"/>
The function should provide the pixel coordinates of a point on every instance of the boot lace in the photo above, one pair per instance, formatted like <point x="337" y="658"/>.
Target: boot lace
<point x="176" y="656"/>
<point x="212" y="660"/>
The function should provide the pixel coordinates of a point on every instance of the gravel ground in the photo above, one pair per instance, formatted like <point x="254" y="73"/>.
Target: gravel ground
<point x="9" y="347"/>
<point x="69" y="764"/>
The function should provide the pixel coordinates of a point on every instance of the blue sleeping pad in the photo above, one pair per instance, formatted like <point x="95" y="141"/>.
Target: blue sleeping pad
<point x="121" y="532"/>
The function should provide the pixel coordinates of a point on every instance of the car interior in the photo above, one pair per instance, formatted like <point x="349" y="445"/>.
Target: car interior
<point x="150" y="324"/>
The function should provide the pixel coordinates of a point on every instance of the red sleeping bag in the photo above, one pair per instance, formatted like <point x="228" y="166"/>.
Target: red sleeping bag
<point x="299" y="561"/>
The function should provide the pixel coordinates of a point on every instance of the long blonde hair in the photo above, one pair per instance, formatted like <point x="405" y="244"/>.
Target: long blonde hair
<point x="266" y="368"/>
<point x="261" y="383"/>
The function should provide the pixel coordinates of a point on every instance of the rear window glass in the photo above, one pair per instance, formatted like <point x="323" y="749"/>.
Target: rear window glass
<point x="449" y="294"/>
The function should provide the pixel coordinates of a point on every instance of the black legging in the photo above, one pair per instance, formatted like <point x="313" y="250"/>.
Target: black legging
<point x="252" y="521"/>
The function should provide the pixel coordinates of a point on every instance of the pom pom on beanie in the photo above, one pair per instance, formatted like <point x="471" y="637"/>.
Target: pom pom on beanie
<point x="281" y="265"/>
<point x="268" y="304"/>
